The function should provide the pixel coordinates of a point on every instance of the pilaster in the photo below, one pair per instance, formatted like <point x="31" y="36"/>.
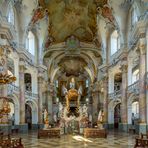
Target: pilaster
<point x="22" y="90"/>
<point x="142" y="84"/>
<point x="124" y="116"/>
<point x="40" y="105"/>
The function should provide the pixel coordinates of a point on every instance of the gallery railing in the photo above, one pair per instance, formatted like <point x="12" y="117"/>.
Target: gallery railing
<point x="31" y="95"/>
<point x="134" y="88"/>
<point x="115" y="95"/>
<point x="12" y="89"/>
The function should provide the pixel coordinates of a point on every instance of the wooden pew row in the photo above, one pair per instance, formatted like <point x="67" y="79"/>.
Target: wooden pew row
<point x="7" y="142"/>
<point x="141" y="141"/>
<point x="49" y="133"/>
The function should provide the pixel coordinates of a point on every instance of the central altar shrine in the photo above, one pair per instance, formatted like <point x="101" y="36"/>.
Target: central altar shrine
<point x="73" y="117"/>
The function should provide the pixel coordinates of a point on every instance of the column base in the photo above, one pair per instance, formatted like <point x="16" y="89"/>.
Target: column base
<point x="123" y="127"/>
<point x="110" y="126"/>
<point x="40" y="125"/>
<point x="142" y="128"/>
<point x="105" y="125"/>
<point x="23" y="128"/>
<point x="6" y="128"/>
<point x="34" y="127"/>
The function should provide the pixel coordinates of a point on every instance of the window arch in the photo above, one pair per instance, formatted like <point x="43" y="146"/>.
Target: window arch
<point x="134" y="17"/>
<point x="115" y="42"/>
<point x="11" y="16"/>
<point x="30" y="43"/>
<point x="135" y="76"/>
<point x="135" y="109"/>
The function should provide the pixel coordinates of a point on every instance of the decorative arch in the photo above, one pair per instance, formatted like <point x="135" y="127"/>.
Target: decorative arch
<point x="34" y="108"/>
<point x="11" y="14"/>
<point x="132" y="98"/>
<point x="111" y="106"/>
<point x="15" y="100"/>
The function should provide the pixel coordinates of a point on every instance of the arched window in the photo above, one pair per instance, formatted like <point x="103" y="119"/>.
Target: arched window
<point x="135" y="109"/>
<point x="135" y="76"/>
<point x="11" y="15"/>
<point x="28" y="82"/>
<point x="115" y="42"/>
<point x="134" y="17"/>
<point x="30" y="43"/>
<point x="86" y="83"/>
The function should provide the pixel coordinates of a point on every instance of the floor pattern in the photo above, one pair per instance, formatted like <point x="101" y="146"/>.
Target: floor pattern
<point x="114" y="140"/>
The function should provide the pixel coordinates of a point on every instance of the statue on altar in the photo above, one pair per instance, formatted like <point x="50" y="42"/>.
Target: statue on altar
<point x="100" y="119"/>
<point x="4" y="110"/>
<point x="55" y="117"/>
<point x="46" y="119"/>
<point x="84" y="110"/>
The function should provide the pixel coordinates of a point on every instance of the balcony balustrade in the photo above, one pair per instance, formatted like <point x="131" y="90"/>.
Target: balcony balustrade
<point x="31" y="95"/>
<point x="134" y="88"/>
<point x="13" y="89"/>
<point x="115" y="95"/>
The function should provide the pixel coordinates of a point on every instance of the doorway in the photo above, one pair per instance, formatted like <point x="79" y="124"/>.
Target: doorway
<point x="28" y="116"/>
<point x="117" y="116"/>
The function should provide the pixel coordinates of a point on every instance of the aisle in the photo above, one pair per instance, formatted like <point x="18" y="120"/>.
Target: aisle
<point x="114" y="140"/>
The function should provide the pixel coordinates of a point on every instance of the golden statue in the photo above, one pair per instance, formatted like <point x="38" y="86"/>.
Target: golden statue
<point x="72" y="95"/>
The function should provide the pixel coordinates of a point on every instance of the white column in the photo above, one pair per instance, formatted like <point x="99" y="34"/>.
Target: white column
<point x="111" y="82"/>
<point x="129" y="71"/>
<point x="129" y="114"/>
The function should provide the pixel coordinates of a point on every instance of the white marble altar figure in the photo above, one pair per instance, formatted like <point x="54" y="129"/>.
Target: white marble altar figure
<point x="60" y="109"/>
<point x="64" y="90"/>
<point x="84" y="110"/>
<point x="100" y="116"/>
<point x="90" y="118"/>
<point x="45" y="115"/>
<point x="55" y="117"/>
<point x="46" y="119"/>
<point x="80" y="90"/>
<point x="72" y="83"/>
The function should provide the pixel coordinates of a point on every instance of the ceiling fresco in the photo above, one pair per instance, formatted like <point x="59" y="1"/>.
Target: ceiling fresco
<point x="71" y="18"/>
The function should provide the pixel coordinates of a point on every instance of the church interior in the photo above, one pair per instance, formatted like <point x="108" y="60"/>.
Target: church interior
<point x="73" y="73"/>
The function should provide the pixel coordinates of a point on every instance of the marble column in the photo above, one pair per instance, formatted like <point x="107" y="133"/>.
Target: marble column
<point x="50" y="106"/>
<point x="124" y="117"/>
<point x="23" y="126"/>
<point x="105" y="103"/>
<point x="95" y="96"/>
<point x="142" y="85"/>
<point x="40" y="95"/>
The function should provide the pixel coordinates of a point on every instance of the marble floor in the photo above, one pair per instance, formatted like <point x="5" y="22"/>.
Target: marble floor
<point x="114" y="140"/>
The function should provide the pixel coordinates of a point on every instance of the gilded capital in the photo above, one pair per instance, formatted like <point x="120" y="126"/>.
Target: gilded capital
<point x="142" y="46"/>
<point x="124" y="67"/>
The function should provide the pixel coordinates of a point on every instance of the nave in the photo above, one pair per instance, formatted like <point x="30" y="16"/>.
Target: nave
<point x="114" y="140"/>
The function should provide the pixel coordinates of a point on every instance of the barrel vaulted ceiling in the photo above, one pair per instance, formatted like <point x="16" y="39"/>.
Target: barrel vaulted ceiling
<point x="78" y="26"/>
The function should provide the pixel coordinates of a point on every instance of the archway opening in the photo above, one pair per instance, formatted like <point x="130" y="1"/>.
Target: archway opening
<point x="135" y="113"/>
<point x="12" y="113"/>
<point x="28" y="82"/>
<point x="117" y="81"/>
<point x="28" y="116"/>
<point x="117" y="115"/>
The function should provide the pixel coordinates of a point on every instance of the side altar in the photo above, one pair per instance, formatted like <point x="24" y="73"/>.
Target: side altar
<point x="95" y="133"/>
<point x="50" y="133"/>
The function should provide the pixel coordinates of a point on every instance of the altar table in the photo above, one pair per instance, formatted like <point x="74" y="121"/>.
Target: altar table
<point x="95" y="133"/>
<point x="52" y="132"/>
